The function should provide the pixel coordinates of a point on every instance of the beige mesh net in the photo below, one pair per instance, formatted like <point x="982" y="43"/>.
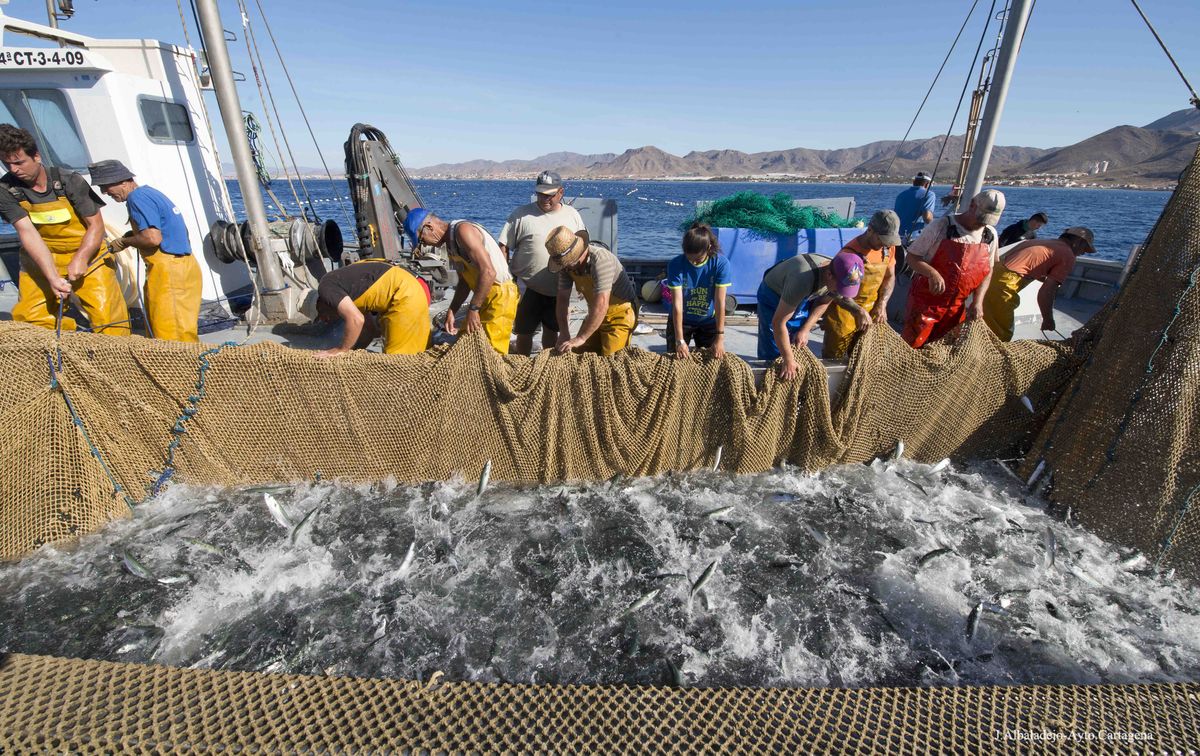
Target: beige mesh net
<point x="105" y="422"/>
<point x="1123" y="445"/>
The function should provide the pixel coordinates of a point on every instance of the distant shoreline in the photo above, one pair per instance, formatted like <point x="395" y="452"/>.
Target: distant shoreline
<point x="1003" y="182"/>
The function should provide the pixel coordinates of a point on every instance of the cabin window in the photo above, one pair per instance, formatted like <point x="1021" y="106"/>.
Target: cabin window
<point x="45" y="114"/>
<point x="166" y="122"/>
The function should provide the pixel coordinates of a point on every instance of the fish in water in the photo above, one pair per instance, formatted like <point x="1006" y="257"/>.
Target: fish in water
<point x="303" y="521"/>
<point x="484" y="477"/>
<point x="273" y="488"/>
<point x="674" y="672"/>
<point x="931" y="555"/>
<point x="204" y="546"/>
<point x="973" y="621"/>
<point x="137" y="569"/>
<point x="1037" y="473"/>
<point x="1028" y="404"/>
<point x="937" y="468"/>
<point x="912" y="483"/>
<point x="704" y="576"/>
<point x="407" y="563"/>
<point x="713" y="514"/>
<point x="717" y="460"/>
<point x="898" y="452"/>
<point x="1050" y="542"/>
<point x="819" y="536"/>
<point x="277" y="511"/>
<point x="643" y="601"/>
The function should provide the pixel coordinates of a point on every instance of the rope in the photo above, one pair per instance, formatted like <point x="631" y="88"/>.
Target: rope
<point x="930" y="90"/>
<point x="55" y="365"/>
<point x="1195" y="99"/>
<point x="963" y="94"/>
<point x="190" y="409"/>
<point x="1168" y="542"/>
<point x="253" y="53"/>
<point x="295" y="94"/>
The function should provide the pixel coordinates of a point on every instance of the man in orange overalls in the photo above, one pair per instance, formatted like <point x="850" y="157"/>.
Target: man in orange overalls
<point x="57" y="218"/>
<point x="950" y="261"/>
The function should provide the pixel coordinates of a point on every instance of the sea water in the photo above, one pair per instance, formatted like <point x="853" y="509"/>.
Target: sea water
<point x="878" y="574"/>
<point x="650" y="211"/>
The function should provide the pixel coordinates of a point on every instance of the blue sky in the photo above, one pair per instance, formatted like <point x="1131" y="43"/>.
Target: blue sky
<point x="450" y="81"/>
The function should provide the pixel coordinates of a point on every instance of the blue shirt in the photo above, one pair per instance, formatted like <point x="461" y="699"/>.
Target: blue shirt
<point x="699" y="284"/>
<point x="150" y="208"/>
<point x="911" y="204"/>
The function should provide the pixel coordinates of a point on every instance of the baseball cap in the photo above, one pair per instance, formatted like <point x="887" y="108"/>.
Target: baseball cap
<point x="548" y="182"/>
<point x="1085" y="233"/>
<point x="847" y="273"/>
<point x="988" y="205"/>
<point x="887" y="224"/>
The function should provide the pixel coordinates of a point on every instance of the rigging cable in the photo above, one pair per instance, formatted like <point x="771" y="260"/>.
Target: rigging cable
<point x="1195" y="99"/>
<point x="967" y="83"/>
<point x="930" y="90"/>
<point x="252" y="52"/>
<point x="303" y="114"/>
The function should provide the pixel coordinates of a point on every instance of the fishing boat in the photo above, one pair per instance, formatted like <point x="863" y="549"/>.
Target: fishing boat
<point x="249" y="419"/>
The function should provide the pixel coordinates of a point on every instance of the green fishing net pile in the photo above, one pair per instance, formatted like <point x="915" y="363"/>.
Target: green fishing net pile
<point x="768" y="216"/>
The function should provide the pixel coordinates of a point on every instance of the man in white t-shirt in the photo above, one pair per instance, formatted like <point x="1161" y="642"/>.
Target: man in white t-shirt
<point x="950" y="261"/>
<point x="523" y="241"/>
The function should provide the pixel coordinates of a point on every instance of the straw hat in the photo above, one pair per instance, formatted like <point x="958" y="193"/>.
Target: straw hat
<point x="565" y="247"/>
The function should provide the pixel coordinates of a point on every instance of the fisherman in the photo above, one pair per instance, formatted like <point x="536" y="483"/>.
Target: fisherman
<point x="173" y="284"/>
<point x="601" y="279"/>
<point x="523" y="241"/>
<point x="876" y="247"/>
<point x="482" y="273"/>
<point x="793" y="296"/>
<point x="1023" y="230"/>
<point x="1050" y="261"/>
<point x="698" y="280"/>
<point x="57" y="219"/>
<point x="914" y="206"/>
<point x="951" y="260"/>
<point x="397" y="298"/>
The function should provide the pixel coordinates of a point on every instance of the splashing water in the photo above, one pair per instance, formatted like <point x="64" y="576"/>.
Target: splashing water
<point x="860" y="575"/>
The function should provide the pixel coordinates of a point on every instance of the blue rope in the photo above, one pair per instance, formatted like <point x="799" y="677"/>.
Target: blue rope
<point x="192" y="406"/>
<point x="55" y="385"/>
<point x="1167" y="542"/>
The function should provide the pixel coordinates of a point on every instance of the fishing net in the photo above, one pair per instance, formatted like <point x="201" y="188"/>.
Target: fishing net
<point x="767" y="216"/>
<point x="96" y="424"/>
<point x="1123" y="447"/>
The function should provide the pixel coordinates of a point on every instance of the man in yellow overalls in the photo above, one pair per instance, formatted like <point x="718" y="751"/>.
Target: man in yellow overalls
<point x="57" y="218"/>
<point x="396" y="297"/>
<point x="482" y="273"/>
<point x="173" y="285"/>
<point x="601" y="279"/>
<point x="877" y="248"/>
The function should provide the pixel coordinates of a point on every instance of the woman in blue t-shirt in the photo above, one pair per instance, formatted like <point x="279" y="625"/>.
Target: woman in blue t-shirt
<point x="698" y="280"/>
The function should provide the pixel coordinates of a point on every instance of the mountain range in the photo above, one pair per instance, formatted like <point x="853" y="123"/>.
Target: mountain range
<point x="1153" y="154"/>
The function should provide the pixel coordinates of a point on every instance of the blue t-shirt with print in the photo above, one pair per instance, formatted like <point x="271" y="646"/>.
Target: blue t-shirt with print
<point x="150" y="208"/>
<point x="699" y="284"/>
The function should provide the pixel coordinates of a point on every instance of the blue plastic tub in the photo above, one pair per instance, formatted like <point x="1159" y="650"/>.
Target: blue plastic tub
<point x="750" y="255"/>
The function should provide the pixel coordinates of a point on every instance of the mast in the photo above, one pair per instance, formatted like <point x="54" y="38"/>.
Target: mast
<point x="1006" y="61"/>
<point x="272" y="304"/>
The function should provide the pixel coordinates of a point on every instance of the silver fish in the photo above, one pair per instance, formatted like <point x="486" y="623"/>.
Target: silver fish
<point x="136" y="568"/>
<point x="642" y="602"/>
<point x="173" y="580"/>
<point x="713" y="514"/>
<point x="704" y="576"/>
<point x="484" y="477"/>
<point x="1028" y="404"/>
<point x="937" y="468"/>
<point x="270" y="488"/>
<point x="407" y="563"/>
<point x="899" y="450"/>
<point x="1037" y="473"/>
<point x="1050" y="542"/>
<point x="676" y="674"/>
<point x="930" y="556"/>
<point x="973" y="621"/>
<point x="277" y="511"/>
<point x="303" y="521"/>
<point x="717" y="460"/>
<point x="204" y="546"/>
<point x="912" y="483"/>
<point x="820" y="537"/>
